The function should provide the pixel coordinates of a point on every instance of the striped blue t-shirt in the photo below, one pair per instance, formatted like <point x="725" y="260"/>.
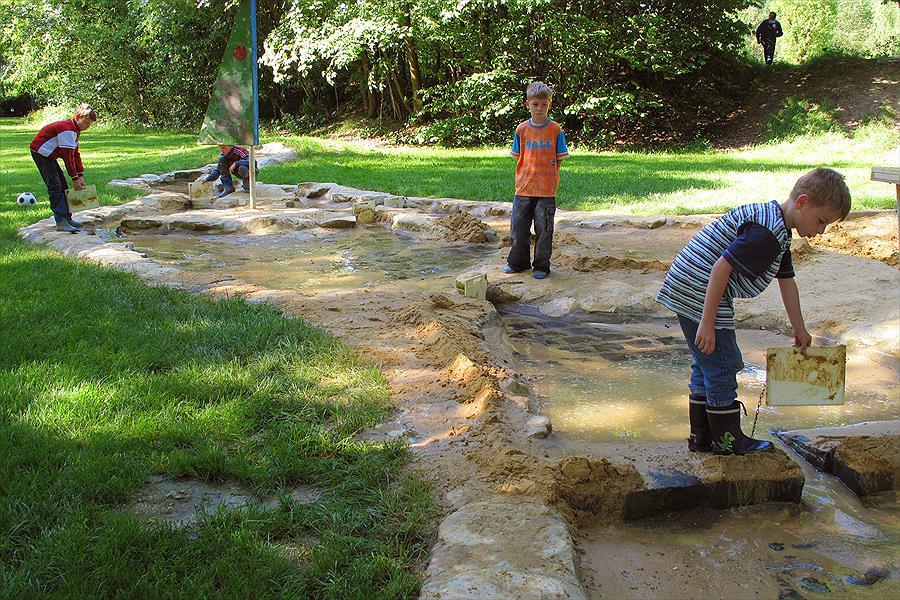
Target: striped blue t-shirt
<point x="752" y="238"/>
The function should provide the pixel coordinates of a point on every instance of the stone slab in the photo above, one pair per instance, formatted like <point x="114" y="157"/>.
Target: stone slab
<point x="676" y="479"/>
<point x="82" y="199"/>
<point x="503" y="547"/>
<point x="201" y="190"/>
<point x="865" y="456"/>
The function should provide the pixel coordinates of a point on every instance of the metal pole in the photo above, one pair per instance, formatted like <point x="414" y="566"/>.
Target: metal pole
<point x="252" y="176"/>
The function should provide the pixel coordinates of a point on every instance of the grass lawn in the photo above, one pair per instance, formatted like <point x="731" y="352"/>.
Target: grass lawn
<point x="105" y="381"/>
<point x="621" y="182"/>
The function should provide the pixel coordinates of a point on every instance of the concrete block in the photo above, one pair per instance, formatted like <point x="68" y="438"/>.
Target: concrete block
<point x="475" y="286"/>
<point x="814" y="377"/>
<point x="82" y="199"/>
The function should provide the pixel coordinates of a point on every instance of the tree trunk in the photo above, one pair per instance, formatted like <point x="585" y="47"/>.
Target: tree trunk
<point x="412" y="61"/>
<point x="368" y="96"/>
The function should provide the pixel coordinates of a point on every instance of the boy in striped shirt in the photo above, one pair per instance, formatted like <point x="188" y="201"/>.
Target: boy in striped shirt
<point x="737" y="256"/>
<point x="539" y="147"/>
<point x="234" y="159"/>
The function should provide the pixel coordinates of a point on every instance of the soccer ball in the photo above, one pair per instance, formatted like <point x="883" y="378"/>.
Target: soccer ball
<point x="26" y="200"/>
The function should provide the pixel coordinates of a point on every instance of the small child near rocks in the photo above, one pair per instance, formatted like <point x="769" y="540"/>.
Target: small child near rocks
<point x="738" y="256"/>
<point x="234" y="159"/>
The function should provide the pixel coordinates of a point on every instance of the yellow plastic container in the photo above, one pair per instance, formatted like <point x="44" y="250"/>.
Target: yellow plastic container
<point x="811" y="378"/>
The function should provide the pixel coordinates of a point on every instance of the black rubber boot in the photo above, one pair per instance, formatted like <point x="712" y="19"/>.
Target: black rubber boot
<point x="727" y="437"/>
<point x="700" y="439"/>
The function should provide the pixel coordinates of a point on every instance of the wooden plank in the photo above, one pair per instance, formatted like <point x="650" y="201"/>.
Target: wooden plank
<point x="811" y="378"/>
<point x="886" y="174"/>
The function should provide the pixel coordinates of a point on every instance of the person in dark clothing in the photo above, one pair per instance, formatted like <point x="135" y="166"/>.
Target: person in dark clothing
<point x="766" y="34"/>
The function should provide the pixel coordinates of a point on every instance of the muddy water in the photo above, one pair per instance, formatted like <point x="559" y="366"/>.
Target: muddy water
<point x="316" y="262"/>
<point x="830" y="545"/>
<point x="600" y="378"/>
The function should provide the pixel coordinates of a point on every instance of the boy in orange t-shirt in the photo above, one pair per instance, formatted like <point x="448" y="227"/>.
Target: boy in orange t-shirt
<point x="539" y="147"/>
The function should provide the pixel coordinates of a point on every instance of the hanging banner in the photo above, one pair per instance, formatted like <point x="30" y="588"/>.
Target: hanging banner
<point x="232" y="117"/>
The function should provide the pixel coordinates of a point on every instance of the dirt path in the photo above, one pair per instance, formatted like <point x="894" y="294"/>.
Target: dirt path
<point x="855" y="89"/>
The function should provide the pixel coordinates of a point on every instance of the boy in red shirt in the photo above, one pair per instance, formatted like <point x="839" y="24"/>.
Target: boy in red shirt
<point x="60" y="140"/>
<point x="539" y="147"/>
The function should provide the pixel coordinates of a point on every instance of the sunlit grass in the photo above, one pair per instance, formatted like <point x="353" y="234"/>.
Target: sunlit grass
<point x="626" y="182"/>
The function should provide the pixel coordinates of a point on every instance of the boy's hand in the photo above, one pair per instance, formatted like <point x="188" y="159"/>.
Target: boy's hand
<point x="802" y="339"/>
<point x="78" y="182"/>
<point x="706" y="339"/>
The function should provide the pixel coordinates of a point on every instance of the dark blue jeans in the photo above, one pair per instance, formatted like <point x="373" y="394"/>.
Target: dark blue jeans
<point x="768" y="50"/>
<point x="241" y="169"/>
<point x="527" y="210"/>
<point x="715" y="374"/>
<point x="55" y="180"/>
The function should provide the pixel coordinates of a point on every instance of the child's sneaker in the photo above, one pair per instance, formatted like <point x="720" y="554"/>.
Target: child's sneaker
<point x="540" y="274"/>
<point x="245" y="187"/>
<point x="508" y="269"/>
<point x="225" y="191"/>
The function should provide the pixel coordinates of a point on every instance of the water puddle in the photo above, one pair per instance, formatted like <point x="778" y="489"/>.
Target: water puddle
<point x="830" y="544"/>
<point x="601" y="378"/>
<point x="316" y="262"/>
<point x="610" y="378"/>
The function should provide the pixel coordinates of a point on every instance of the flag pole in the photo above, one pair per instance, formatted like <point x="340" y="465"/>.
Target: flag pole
<point x="252" y="176"/>
<point x="255" y="79"/>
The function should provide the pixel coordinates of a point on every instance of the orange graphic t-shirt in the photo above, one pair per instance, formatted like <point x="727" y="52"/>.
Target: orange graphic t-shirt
<point x="538" y="148"/>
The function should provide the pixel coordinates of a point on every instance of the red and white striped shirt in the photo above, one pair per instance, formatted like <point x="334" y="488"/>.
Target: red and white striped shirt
<point x="60" y="140"/>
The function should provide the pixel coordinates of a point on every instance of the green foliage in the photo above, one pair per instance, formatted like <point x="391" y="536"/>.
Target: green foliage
<point x="149" y="62"/>
<point x="820" y="28"/>
<point x="798" y="118"/>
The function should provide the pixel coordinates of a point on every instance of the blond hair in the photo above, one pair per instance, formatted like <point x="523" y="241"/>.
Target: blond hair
<point x="825" y="187"/>
<point x="85" y="111"/>
<point x="538" y="89"/>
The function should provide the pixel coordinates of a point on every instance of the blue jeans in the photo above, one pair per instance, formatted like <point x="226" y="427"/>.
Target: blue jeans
<point x="540" y="211"/>
<point x="715" y="374"/>
<point x="55" y="180"/>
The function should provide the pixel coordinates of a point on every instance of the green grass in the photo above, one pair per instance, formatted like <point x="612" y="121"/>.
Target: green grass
<point x="105" y="381"/>
<point x="622" y="182"/>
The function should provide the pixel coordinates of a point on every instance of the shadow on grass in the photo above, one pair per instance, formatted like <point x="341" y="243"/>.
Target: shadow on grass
<point x="104" y="380"/>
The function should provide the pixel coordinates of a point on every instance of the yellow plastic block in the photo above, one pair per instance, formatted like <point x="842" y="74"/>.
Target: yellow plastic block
<point x="82" y="199"/>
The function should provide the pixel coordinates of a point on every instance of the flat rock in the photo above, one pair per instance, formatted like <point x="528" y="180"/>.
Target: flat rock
<point x="558" y="307"/>
<point x="672" y="478"/>
<point x="865" y="456"/>
<point x="414" y="222"/>
<point x="538" y="427"/>
<point x="342" y="221"/>
<point x="503" y="546"/>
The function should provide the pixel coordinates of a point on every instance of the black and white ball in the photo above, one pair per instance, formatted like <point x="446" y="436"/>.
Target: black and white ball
<point x="26" y="200"/>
